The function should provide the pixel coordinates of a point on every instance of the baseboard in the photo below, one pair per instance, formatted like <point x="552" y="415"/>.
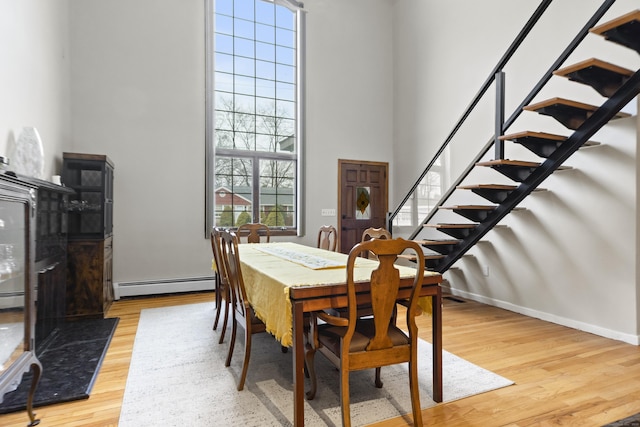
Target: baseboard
<point x="157" y="287"/>
<point x="12" y="300"/>
<point x="570" y="323"/>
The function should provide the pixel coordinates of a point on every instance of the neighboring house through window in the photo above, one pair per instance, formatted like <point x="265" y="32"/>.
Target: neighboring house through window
<point x="254" y="117"/>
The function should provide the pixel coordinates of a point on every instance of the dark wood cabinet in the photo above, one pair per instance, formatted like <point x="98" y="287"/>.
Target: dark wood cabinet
<point x="89" y="250"/>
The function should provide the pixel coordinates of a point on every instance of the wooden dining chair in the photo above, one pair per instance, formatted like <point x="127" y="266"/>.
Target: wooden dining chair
<point x="328" y="238"/>
<point x="355" y="343"/>
<point x="374" y="233"/>
<point x="242" y="313"/>
<point x="254" y="232"/>
<point x="222" y="291"/>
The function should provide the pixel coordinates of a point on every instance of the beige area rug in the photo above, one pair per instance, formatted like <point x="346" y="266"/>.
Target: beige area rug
<point x="177" y="377"/>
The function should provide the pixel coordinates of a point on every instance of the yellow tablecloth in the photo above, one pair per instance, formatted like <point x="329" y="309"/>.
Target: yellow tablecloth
<point x="268" y="277"/>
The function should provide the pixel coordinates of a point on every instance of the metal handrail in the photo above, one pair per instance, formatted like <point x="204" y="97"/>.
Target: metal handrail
<point x="535" y="17"/>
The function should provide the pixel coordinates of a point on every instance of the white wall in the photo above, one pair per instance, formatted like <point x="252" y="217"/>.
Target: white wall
<point x="349" y="96"/>
<point x="138" y="96"/>
<point x="34" y="76"/>
<point x="570" y="257"/>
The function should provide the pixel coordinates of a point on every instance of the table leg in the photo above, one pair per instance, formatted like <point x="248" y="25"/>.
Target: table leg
<point x="298" y="363"/>
<point x="437" y="346"/>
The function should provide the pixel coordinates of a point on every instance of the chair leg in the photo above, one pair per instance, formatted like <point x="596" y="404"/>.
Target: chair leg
<point x="233" y="340"/>
<point x="218" y="309"/>
<point x="218" y="302"/>
<point x="247" y="355"/>
<point x="224" y="320"/>
<point x="344" y="397"/>
<point x="378" y="381"/>
<point x="311" y="370"/>
<point x="415" y="394"/>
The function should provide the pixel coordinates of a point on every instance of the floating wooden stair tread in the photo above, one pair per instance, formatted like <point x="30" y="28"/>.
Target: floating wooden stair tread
<point x="507" y="162"/>
<point x="476" y="213"/>
<point x="438" y="242"/>
<point x="431" y="260"/>
<point x="571" y="114"/>
<point x="440" y="246"/>
<point x="495" y="193"/>
<point x="540" y="137"/>
<point x="541" y="143"/>
<point x="604" y="77"/>
<point x="488" y="187"/>
<point x="451" y="225"/>
<point x="517" y="170"/>
<point x="475" y="207"/>
<point x="457" y="231"/>
<point x="624" y="30"/>
<point x="412" y="257"/>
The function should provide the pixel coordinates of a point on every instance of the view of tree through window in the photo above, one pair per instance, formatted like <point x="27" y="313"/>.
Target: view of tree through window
<point x="255" y="109"/>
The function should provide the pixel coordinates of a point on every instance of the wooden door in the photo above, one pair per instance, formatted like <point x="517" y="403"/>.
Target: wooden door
<point x="362" y="199"/>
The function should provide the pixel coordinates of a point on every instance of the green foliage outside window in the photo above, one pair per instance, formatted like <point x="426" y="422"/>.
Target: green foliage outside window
<point x="275" y="218"/>
<point x="226" y="217"/>
<point x="243" y="218"/>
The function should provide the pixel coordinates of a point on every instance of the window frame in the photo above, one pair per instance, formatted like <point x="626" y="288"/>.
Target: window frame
<point x="210" y="149"/>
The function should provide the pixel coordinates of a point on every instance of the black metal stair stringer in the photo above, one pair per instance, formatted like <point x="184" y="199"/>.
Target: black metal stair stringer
<point x="600" y="117"/>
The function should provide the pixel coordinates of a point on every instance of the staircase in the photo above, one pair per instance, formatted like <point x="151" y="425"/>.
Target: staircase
<point x="617" y="84"/>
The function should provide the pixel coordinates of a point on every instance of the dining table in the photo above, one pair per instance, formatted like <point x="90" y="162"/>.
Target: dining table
<point x="285" y="280"/>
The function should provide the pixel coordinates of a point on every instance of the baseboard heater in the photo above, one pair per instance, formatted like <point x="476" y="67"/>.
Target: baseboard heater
<point x="156" y="287"/>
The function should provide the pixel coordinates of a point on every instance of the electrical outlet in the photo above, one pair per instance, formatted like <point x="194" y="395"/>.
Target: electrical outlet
<point x="328" y="212"/>
<point x="485" y="271"/>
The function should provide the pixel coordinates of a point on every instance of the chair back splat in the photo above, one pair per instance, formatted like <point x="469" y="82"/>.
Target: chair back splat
<point x="328" y="238"/>
<point x="374" y="233"/>
<point x="254" y="232"/>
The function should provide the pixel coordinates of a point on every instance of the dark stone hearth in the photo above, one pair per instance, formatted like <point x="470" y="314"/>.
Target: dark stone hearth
<point x="70" y="359"/>
<point x="632" y="421"/>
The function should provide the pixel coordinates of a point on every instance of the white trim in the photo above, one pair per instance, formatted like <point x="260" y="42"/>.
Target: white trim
<point x="12" y="301"/>
<point x="290" y="4"/>
<point x="156" y="287"/>
<point x="581" y="326"/>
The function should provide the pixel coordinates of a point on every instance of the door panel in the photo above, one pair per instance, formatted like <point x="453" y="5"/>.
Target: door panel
<point x="363" y="199"/>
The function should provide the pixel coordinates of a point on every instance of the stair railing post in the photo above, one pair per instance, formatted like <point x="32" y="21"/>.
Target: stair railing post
<point x="500" y="90"/>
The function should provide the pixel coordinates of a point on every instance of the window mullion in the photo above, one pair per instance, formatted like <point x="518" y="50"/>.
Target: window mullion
<point x="256" y="189"/>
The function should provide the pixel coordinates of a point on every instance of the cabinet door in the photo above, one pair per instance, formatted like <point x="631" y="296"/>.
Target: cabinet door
<point x="107" y="286"/>
<point x="50" y="305"/>
<point x="85" y="278"/>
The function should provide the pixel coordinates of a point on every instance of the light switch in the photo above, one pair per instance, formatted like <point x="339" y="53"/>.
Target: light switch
<point x="328" y="212"/>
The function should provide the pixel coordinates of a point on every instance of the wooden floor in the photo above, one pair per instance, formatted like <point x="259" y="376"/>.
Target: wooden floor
<point x="563" y="377"/>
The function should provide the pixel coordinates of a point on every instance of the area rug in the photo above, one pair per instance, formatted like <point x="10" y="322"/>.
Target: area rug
<point x="177" y="377"/>
<point x="70" y="360"/>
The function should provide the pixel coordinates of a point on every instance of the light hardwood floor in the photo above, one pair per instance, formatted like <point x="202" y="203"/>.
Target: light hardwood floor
<point x="563" y="377"/>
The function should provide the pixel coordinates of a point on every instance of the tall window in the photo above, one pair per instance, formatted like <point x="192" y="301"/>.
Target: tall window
<point x="254" y="120"/>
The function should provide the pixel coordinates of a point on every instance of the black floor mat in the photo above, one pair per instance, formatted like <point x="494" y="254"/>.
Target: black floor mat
<point x="70" y="359"/>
